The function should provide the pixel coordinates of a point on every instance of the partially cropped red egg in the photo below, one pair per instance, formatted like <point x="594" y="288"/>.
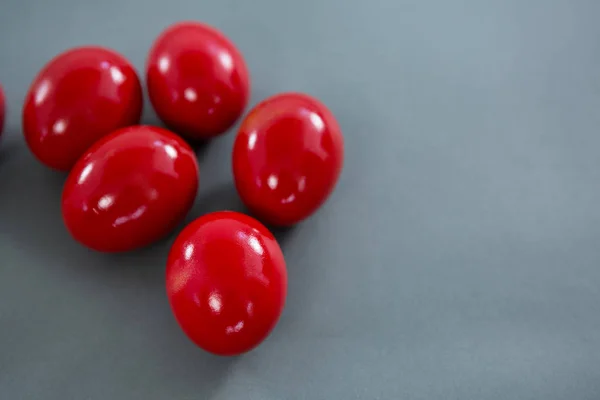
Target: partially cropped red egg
<point x="130" y="189"/>
<point x="197" y="80"/>
<point x="287" y="158"/>
<point x="226" y="282"/>
<point x="80" y="96"/>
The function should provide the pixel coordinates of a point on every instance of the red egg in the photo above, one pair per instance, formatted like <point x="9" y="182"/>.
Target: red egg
<point x="287" y="158"/>
<point x="130" y="189"/>
<point x="80" y="96"/>
<point x="2" y="109"/>
<point x="197" y="80"/>
<point x="226" y="282"/>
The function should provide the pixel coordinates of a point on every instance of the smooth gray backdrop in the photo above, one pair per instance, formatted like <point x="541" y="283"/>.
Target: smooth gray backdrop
<point x="459" y="257"/>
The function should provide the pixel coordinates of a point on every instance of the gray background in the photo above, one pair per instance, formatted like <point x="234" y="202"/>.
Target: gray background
<point x="459" y="257"/>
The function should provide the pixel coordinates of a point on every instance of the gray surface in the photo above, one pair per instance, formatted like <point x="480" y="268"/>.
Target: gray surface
<point x="459" y="257"/>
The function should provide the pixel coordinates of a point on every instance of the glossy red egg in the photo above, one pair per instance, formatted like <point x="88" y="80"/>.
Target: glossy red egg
<point x="130" y="189"/>
<point x="226" y="282"/>
<point x="287" y="158"/>
<point x="197" y="80"/>
<point x="2" y="109"/>
<point x="80" y="96"/>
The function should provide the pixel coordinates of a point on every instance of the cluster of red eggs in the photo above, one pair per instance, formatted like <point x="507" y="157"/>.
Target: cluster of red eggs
<point x="129" y="185"/>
